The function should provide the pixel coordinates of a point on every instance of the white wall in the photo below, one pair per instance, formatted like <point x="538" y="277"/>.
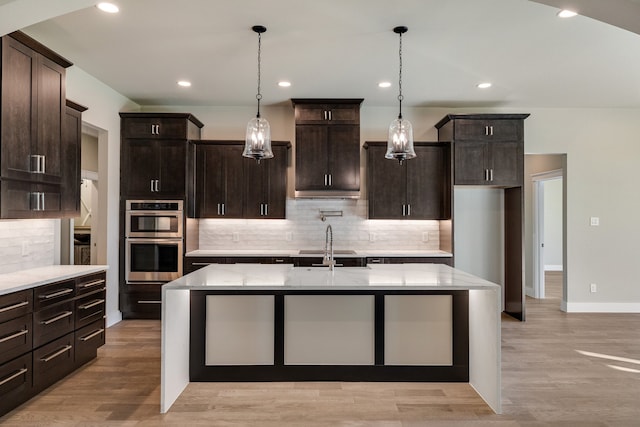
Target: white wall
<point x="553" y="224"/>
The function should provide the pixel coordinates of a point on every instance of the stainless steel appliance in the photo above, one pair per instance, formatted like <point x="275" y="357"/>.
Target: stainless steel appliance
<point x="153" y="241"/>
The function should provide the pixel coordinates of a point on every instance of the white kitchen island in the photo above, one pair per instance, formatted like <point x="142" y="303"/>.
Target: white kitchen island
<point x="402" y="322"/>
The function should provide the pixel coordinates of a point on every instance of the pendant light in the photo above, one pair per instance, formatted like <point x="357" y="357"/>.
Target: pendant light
<point x="400" y="142"/>
<point x="258" y="137"/>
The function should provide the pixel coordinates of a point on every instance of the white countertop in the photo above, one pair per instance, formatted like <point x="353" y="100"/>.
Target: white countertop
<point x="296" y="253"/>
<point x="26" y="279"/>
<point x="287" y="277"/>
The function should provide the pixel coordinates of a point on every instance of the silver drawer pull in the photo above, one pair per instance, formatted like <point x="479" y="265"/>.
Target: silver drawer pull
<point x="58" y="317"/>
<point x="14" y="376"/>
<point x="91" y="304"/>
<point x="94" y="283"/>
<point x="149" y="302"/>
<point x="14" y="306"/>
<point x="56" y="294"/>
<point x="92" y="335"/>
<point x="56" y="354"/>
<point x="16" y="335"/>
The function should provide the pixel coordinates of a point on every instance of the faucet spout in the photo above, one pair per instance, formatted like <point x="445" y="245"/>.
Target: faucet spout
<point x="328" y="248"/>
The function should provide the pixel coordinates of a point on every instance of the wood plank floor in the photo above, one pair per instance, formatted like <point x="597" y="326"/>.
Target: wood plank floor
<point x="546" y="382"/>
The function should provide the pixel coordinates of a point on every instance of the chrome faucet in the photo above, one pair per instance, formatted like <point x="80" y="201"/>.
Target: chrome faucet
<point x="328" y="248"/>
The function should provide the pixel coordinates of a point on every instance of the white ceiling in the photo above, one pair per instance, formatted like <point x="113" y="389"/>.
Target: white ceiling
<point x="343" y="48"/>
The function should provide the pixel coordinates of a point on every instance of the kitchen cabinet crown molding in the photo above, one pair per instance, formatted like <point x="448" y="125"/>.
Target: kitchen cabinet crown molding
<point x="145" y="115"/>
<point x="40" y="48"/>
<point x="485" y="116"/>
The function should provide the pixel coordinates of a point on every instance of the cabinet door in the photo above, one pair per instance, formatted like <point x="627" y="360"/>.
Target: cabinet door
<point x="18" y="94"/>
<point x="426" y="198"/>
<point x="266" y="186"/>
<point x="220" y="185"/>
<point x="71" y="145"/>
<point x="344" y="157"/>
<point x="470" y="163"/>
<point x="344" y="114"/>
<point x="488" y="130"/>
<point x="507" y="164"/>
<point x="311" y="157"/>
<point x="154" y="128"/>
<point x="51" y="112"/>
<point x="386" y="185"/>
<point x="140" y="168"/>
<point x="171" y="176"/>
<point x="24" y="199"/>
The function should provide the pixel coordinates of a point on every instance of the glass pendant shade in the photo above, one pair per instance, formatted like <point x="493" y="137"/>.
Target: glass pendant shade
<point x="400" y="142"/>
<point x="258" y="139"/>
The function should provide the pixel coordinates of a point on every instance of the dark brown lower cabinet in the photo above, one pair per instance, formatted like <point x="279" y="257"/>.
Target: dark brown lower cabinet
<point x="142" y="304"/>
<point x="46" y="333"/>
<point x="16" y="382"/>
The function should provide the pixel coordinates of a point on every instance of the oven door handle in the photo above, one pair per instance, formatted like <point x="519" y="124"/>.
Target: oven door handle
<point x="168" y="240"/>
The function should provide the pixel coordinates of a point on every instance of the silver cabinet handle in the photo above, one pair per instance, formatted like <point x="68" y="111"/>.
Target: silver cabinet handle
<point x="218" y="208"/>
<point x="91" y="284"/>
<point x="14" y="306"/>
<point x="330" y="115"/>
<point x="155" y="129"/>
<point x="224" y="209"/>
<point x="491" y="174"/>
<point x="37" y="201"/>
<point x="37" y="163"/>
<point x="91" y="304"/>
<point x="486" y="174"/>
<point x="266" y="209"/>
<point x="149" y="302"/>
<point x="56" y="354"/>
<point x="375" y="261"/>
<point x="491" y="130"/>
<point x="14" y="376"/>
<point x="330" y="180"/>
<point x="12" y="336"/>
<point x="408" y="210"/>
<point x="92" y="335"/>
<point x="151" y="181"/>
<point x="325" y="114"/>
<point x="58" y="317"/>
<point x="56" y="294"/>
<point x="279" y="261"/>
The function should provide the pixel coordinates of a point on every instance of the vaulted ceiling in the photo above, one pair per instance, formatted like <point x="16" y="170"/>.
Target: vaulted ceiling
<point x="338" y="48"/>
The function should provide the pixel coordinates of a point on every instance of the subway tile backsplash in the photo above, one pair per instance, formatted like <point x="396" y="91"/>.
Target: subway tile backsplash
<point x="26" y="244"/>
<point x="304" y="229"/>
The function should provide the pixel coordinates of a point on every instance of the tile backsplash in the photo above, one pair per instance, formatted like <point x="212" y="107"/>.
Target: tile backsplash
<point x="304" y="229"/>
<point x="26" y="244"/>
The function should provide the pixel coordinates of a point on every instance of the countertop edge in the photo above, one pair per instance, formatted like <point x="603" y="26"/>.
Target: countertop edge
<point x="34" y="277"/>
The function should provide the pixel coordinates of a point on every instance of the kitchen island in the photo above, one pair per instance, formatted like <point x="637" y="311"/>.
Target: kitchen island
<point x="403" y="322"/>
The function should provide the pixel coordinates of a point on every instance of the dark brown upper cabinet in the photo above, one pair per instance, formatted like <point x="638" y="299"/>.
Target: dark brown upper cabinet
<point x="418" y="189"/>
<point x="327" y="147"/>
<point x="154" y="160"/>
<point x="71" y="158"/>
<point x="231" y="186"/>
<point x="265" y="184"/>
<point x="32" y="118"/>
<point x="488" y="149"/>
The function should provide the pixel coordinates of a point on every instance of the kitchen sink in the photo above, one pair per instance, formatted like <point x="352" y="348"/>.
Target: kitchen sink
<point x="321" y="252"/>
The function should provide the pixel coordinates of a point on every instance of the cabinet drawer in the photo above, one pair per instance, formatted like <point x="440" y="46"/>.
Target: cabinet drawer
<point x="88" y="339"/>
<point x="488" y="130"/>
<point x="90" y="283"/>
<point x="328" y="113"/>
<point x="90" y="308"/>
<point x="52" y="362"/>
<point x="154" y="127"/>
<point x="408" y="260"/>
<point x="52" y="322"/>
<point x="15" y="337"/>
<point x="15" y="382"/>
<point x="54" y="293"/>
<point x="317" y="261"/>
<point x="15" y="305"/>
<point x="141" y="305"/>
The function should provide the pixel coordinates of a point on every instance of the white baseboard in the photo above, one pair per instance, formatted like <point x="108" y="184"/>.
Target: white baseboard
<point x="606" y="307"/>
<point x="553" y="268"/>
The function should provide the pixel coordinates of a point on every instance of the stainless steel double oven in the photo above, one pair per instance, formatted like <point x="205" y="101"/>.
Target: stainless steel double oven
<point x="153" y="241"/>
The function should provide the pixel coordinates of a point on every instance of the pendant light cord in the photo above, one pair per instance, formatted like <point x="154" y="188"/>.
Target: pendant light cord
<point x="259" y="95"/>
<point x="400" y="97"/>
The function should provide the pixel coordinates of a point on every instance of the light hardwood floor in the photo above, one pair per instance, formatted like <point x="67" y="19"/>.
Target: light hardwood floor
<point x="546" y="381"/>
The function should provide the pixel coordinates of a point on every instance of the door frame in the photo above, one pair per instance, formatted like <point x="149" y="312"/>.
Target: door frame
<point x="538" y="228"/>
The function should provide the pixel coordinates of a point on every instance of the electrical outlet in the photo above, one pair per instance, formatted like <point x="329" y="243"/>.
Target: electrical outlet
<point x="594" y="288"/>
<point x="25" y="248"/>
<point x="372" y="237"/>
<point x="425" y="236"/>
<point x="235" y="236"/>
<point x="595" y="221"/>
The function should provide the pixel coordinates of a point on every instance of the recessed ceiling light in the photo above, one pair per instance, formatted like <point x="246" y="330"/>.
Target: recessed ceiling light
<point x="108" y="7"/>
<point x="566" y="13"/>
<point x="284" y="84"/>
<point x="485" y="85"/>
<point x="384" y="84"/>
<point x="184" y="83"/>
